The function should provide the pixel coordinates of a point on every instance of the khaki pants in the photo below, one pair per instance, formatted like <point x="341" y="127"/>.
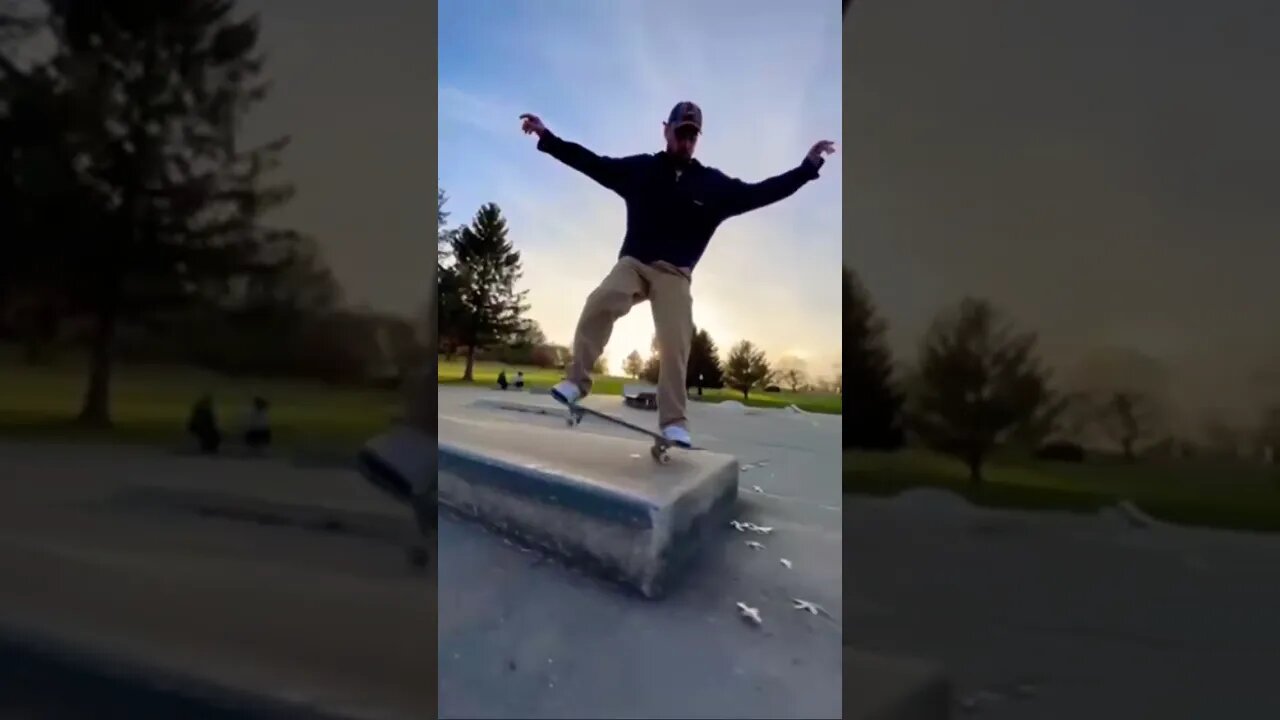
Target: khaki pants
<point x="631" y="282"/>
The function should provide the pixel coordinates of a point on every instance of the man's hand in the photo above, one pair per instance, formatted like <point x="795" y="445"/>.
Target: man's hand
<point x="532" y="125"/>
<point x="820" y="148"/>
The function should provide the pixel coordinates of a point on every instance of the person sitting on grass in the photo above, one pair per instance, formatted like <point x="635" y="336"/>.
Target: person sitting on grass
<point x="203" y="424"/>
<point x="502" y="379"/>
<point x="519" y="379"/>
<point x="257" y="434"/>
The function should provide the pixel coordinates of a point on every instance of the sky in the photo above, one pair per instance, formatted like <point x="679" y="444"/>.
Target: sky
<point x="605" y="74"/>
<point x="352" y="84"/>
<point x="1105" y="172"/>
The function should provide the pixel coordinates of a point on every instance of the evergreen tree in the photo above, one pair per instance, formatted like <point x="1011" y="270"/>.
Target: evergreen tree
<point x="486" y="269"/>
<point x="151" y="96"/>
<point x="705" y="370"/>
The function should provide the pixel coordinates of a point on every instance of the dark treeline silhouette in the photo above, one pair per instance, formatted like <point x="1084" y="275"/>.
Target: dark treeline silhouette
<point x="978" y="383"/>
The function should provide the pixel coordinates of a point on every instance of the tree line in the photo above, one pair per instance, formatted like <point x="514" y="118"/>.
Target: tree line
<point x="135" y="221"/>
<point x="979" y="383"/>
<point x="482" y="315"/>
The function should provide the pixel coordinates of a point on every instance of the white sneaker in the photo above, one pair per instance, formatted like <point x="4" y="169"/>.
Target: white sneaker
<point x="677" y="435"/>
<point x="566" y="392"/>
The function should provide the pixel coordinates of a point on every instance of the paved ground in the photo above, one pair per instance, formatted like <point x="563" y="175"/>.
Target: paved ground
<point x="564" y="645"/>
<point x="1055" y="616"/>
<point x="1034" y="616"/>
<point x="110" y="544"/>
<point x="99" y="547"/>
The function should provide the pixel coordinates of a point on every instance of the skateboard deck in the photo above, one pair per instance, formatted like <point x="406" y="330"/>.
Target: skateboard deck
<point x="660" y="444"/>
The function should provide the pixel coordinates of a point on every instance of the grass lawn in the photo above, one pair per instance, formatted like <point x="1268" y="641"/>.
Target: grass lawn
<point x="1215" y="493"/>
<point x="149" y="405"/>
<point x="486" y="375"/>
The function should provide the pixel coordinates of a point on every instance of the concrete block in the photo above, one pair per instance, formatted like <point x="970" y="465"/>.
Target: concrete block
<point x="598" y="501"/>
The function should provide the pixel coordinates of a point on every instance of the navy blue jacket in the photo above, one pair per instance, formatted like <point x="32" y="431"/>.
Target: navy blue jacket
<point x="672" y="216"/>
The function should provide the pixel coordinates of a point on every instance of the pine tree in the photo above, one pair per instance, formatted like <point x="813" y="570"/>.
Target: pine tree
<point x="153" y="94"/>
<point x="705" y="370"/>
<point x="486" y="269"/>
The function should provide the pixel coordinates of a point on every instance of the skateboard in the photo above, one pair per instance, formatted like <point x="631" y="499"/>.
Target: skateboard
<point x="660" y="444"/>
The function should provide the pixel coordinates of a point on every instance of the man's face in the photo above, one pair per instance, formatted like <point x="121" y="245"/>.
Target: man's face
<point x="681" y="140"/>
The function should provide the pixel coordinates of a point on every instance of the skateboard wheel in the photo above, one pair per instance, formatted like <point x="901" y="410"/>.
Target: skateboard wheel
<point x="660" y="455"/>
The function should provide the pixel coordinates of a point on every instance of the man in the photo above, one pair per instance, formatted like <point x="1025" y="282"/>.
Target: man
<point x="674" y="205"/>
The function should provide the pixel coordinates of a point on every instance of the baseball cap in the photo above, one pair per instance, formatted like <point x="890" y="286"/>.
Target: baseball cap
<point x="685" y="113"/>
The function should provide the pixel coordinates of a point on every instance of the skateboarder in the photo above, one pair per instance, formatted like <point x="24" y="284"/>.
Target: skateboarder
<point x="674" y="205"/>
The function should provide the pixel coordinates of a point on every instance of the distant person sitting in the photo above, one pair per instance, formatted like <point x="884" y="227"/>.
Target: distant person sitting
<point x="519" y="379"/>
<point x="257" y="434"/>
<point x="204" y="425"/>
<point x="502" y="379"/>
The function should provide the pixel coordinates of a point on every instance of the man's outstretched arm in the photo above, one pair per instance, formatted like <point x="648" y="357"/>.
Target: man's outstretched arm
<point x="744" y="197"/>
<point x="609" y="172"/>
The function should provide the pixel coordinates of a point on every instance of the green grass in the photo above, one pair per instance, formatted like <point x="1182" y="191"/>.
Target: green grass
<point x="486" y="375"/>
<point x="1212" y="493"/>
<point x="149" y="405"/>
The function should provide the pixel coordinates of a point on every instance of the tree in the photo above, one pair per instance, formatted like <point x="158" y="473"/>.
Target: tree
<point x="147" y="101"/>
<point x="977" y="380"/>
<point x="875" y="418"/>
<point x="486" y="270"/>
<point x="705" y="370"/>
<point x="450" y="312"/>
<point x="1127" y="417"/>
<point x="652" y="369"/>
<point x="444" y="238"/>
<point x="1127" y="394"/>
<point x="633" y="365"/>
<point x="791" y="372"/>
<point x="746" y="368"/>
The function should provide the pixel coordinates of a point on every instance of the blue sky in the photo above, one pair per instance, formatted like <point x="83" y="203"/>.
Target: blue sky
<point x="605" y="74"/>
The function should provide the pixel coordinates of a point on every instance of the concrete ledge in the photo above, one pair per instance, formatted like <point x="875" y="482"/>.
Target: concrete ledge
<point x="882" y="688"/>
<point x="598" y="501"/>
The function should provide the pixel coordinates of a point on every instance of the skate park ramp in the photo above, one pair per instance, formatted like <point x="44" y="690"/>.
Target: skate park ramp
<point x="600" y="502"/>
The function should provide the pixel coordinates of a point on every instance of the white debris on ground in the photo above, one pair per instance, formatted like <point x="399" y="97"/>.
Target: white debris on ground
<point x="754" y="545"/>
<point x="749" y="526"/>
<point x="809" y="607"/>
<point x="749" y="613"/>
<point x="785" y="563"/>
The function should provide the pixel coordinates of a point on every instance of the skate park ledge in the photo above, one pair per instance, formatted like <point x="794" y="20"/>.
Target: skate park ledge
<point x="598" y="502"/>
